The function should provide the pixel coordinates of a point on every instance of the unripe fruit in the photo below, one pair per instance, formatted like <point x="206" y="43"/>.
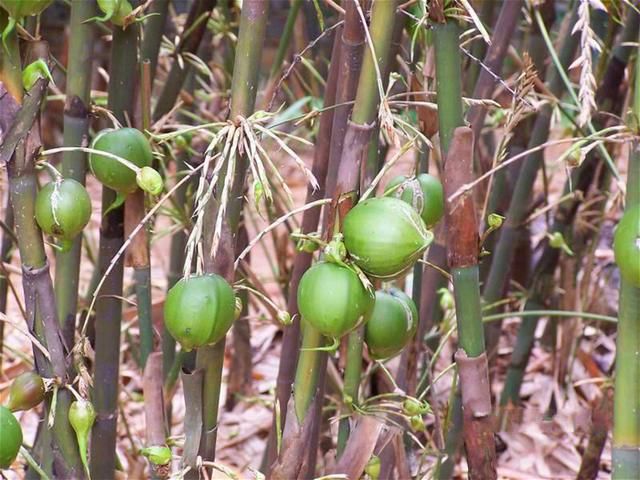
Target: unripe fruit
<point x="63" y="209"/>
<point x="626" y="246"/>
<point x="424" y="193"/>
<point x="333" y="300"/>
<point x="157" y="454"/>
<point x="82" y="415"/>
<point x="10" y="437"/>
<point x="27" y="391"/>
<point x="127" y="143"/>
<point x="199" y="310"/>
<point x="385" y="236"/>
<point x="392" y="324"/>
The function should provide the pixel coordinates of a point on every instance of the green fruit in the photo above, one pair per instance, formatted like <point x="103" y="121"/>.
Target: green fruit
<point x="24" y="8"/>
<point x="385" y="236"/>
<point x="63" y="209"/>
<point x="393" y="323"/>
<point x="372" y="468"/>
<point x="10" y="437"/>
<point x="27" y="391"/>
<point x="157" y="454"/>
<point x="115" y="10"/>
<point x="127" y="143"/>
<point x="424" y="193"/>
<point x="333" y="300"/>
<point x="412" y="407"/>
<point x="626" y="246"/>
<point x="199" y="310"/>
<point x="82" y="415"/>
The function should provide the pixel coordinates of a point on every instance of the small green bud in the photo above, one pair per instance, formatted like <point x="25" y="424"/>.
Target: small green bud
<point x="82" y="415"/>
<point x="495" y="221"/>
<point x="417" y="424"/>
<point x="157" y="454"/>
<point x="373" y="467"/>
<point x="447" y="301"/>
<point x="183" y="141"/>
<point x="284" y="317"/>
<point x="149" y="180"/>
<point x="335" y="251"/>
<point x="306" y="245"/>
<point x="238" y="308"/>
<point x="34" y="72"/>
<point x="412" y="407"/>
<point x="27" y="391"/>
<point x="556" y="240"/>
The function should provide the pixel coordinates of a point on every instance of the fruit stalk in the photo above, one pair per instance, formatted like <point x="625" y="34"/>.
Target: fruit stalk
<point x="109" y="306"/>
<point x="74" y="164"/>
<point x="462" y="251"/>
<point x="626" y="403"/>
<point x="253" y="22"/>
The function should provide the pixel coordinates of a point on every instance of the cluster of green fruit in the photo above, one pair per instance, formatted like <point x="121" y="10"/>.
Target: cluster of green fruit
<point x="63" y="206"/>
<point x="383" y="238"/>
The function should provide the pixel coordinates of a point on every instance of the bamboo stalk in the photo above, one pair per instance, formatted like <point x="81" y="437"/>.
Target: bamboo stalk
<point x="626" y="402"/>
<point x="74" y="164"/>
<point x="302" y="261"/>
<point x="462" y="250"/>
<point x="153" y="31"/>
<point x="251" y="35"/>
<point x="195" y="28"/>
<point x="518" y="207"/>
<point x="6" y="245"/>
<point x="109" y="307"/>
<point x="20" y="121"/>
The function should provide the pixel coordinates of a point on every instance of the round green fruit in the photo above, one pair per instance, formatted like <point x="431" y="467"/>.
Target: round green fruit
<point x="63" y="209"/>
<point x="385" y="236"/>
<point x="115" y="10"/>
<point x="626" y="246"/>
<point x="199" y="310"/>
<point x="23" y="8"/>
<point x="127" y="143"/>
<point x="27" y="391"/>
<point x="393" y="323"/>
<point x="10" y="437"/>
<point x="424" y="193"/>
<point x="333" y="300"/>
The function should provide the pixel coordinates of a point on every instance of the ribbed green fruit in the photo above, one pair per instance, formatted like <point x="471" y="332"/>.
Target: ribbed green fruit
<point x="127" y="143"/>
<point x="333" y="300"/>
<point x="199" y="310"/>
<point x="393" y="323"/>
<point x="626" y="246"/>
<point x="385" y="236"/>
<point x="424" y="193"/>
<point x="63" y="209"/>
<point x="26" y="391"/>
<point x="10" y="437"/>
<point x="24" y="8"/>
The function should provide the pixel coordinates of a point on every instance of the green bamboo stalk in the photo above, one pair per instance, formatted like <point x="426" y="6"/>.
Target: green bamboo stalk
<point x="253" y="21"/>
<point x="364" y="115"/>
<point x="109" y="306"/>
<point x="74" y="164"/>
<point x="608" y="99"/>
<point x="626" y="406"/>
<point x="518" y="207"/>
<point x="195" y="28"/>
<point x="463" y="254"/>
<point x="302" y="261"/>
<point x="153" y="30"/>
<point x="40" y="303"/>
